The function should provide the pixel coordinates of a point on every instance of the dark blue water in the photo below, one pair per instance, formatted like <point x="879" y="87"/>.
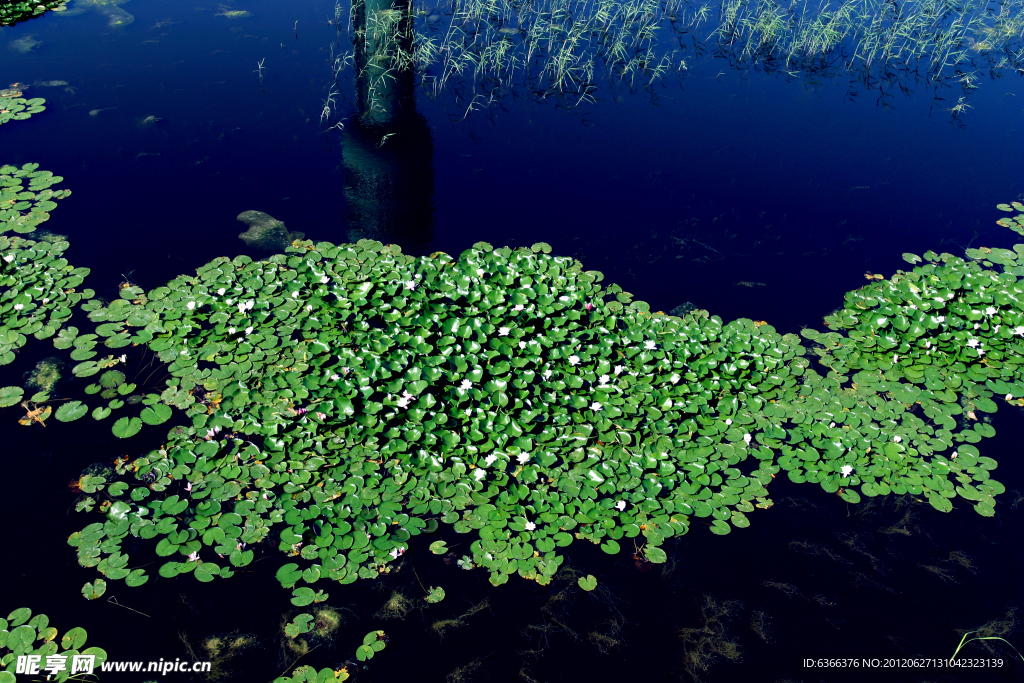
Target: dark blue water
<point x="745" y="193"/>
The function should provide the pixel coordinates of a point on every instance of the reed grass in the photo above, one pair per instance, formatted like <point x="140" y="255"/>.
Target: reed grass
<point x="563" y="47"/>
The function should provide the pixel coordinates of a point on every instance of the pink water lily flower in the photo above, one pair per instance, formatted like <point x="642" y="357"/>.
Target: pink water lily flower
<point x="194" y="557"/>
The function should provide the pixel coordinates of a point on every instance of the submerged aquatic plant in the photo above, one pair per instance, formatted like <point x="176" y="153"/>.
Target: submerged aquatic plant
<point x="266" y="232"/>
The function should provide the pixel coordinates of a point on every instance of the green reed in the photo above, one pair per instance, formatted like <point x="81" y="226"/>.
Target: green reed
<point x="562" y="47"/>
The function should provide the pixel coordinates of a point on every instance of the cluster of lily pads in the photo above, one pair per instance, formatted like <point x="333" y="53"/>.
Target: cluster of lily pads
<point x="24" y="634"/>
<point x="373" y="642"/>
<point x="23" y="10"/>
<point x="342" y="399"/>
<point x="19" y="108"/>
<point x="38" y="287"/>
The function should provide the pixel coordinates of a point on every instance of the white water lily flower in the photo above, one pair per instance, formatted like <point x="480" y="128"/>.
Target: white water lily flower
<point x="249" y="329"/>
<point x="618" y="369"/>
<point x="190" y="305"/>
<point x="620" y="505"/>
<point x="939" y="318"/>
<point x="466" y="384"/>
<point x="650" y="344"/>
<point x="728" y="421"/>
<point x="973" y="343"/>
<point x="124" y="358"/>
<point x="221" y="291"/>
<point x="847" y="470"/>
<point x="747" y="438"/>
<point x="503" y="331"/>
<point x="519" y="307"/>
<point x="249" y="305"/>
<point x="897" y="438"/>
<point x="674" y="378"/>
<point x="522" y="345"/>
<point x="895" y="358"/>
<point x="241" y="307"/>
<point x="295" y="295"/>
<point x="403" y="402"/>
<point x="469" y="411"/>
<point x="479" y="474"/>
<point x="595" y="406"/>
<point x="953" y="457"/>
<point x="490" y="459"/>
<point x="309" y="308"/>
<point x="231" y="330"/>
<point x="1019" y="330"/>
<point x="604" y="379"/>
<point x="229" y="302"/>
<point x="990" y="310"/>
<point x="324" y="279"/>
<point x="530" y="526"/>
<point x="479" y="272"/>
<point x="18" y="307"/>
<point x="574" y="359"/>
<point x="522" y="458"/>
<point x="977" y="326"/>
<point x="411" y="284"/>
<point x="1009" y="397"/>
<point x="547" y="374"/>
<point x="335" y="377"/>
<point x="9" y="258"/>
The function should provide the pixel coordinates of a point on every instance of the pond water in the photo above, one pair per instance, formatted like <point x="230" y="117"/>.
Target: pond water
<point x="738" y="186"/>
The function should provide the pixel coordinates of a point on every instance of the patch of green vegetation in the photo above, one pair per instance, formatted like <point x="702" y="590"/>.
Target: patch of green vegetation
<point x="14" y="11"/>
<point x="25" y="634"/>
<point x="19" y="108"/>
<point x="343" y="399"/>
<point x="37" y="285"/>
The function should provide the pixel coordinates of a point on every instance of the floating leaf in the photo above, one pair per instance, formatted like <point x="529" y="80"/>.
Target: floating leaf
<point x="94" y="589"/>
<point x="71" y="411"/>
<point x="126" y="427"/>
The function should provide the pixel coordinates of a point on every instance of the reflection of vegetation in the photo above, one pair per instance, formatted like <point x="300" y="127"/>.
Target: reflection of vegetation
<point x="478" y="50"/>
<point x="711" y="641"/>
